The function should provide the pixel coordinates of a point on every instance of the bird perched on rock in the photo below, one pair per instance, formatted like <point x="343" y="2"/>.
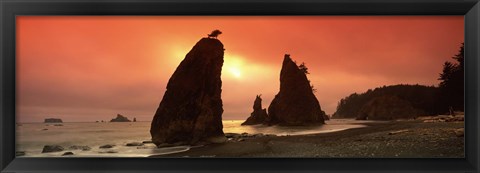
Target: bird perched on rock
<point x="214" y="34"/>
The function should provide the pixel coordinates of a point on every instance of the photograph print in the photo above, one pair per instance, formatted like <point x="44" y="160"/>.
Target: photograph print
<point x="240" y="86"/>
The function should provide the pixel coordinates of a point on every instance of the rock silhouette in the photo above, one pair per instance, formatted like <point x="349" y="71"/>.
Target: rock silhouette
<point x="120" y="118"/>
<point x="191" y="108"/>
<point x="388" y="107"/>
<point x="422" y="98"/>
<point x="295" y="103"/>
<point x="53" y="120"/>
<point x="259" y="115"/>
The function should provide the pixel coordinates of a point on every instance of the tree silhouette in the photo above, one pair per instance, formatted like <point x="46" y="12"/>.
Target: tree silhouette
<point x="420" y="97"/>
<point x="304" y="68"/>
<point x="214" y="34"/>
<point x="452" y="83"/>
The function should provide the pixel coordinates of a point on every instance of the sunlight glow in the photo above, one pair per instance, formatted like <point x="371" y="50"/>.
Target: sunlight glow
<point x="235" y="72"/>
<point x="234" y="65"/>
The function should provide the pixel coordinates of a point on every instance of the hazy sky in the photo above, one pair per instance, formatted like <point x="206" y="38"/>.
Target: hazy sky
<point x="91" y="68"/>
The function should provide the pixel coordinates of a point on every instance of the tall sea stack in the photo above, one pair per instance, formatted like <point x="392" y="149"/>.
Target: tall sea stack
<point x="191" y="108"/>
<point x="259" y="115"/>
<point x="295" y="104"/>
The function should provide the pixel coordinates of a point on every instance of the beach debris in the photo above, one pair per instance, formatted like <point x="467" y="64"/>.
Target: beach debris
<point x="147" y="142"/>
<point x="67" y="153"/>
<point x="107" y="146"/>
<point x="44" y="129"/>
<point x="52" y="148"/>
<point x="132" y="144"/>
<point x="20" y="153"/>
<point x="460" y="132"/>
<point x="78" y="147"/>
<point x="397" y="132"/>
<point x="442" y="118"/>
<point x="193" y="97"/>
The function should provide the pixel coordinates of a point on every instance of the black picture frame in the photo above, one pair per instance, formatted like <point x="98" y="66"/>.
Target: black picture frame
<point x="9" y="9"/>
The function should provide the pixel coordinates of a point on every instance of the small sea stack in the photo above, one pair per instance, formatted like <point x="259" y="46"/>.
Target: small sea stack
<point x="191" y="108"/>
<point x="295" y="104"/>
<point x="259" y="115"/>
<point x="120" y="118"/>
<point x="53" y="120"/>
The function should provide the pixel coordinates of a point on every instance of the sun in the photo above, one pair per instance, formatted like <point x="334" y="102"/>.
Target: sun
<point x="235" y="72"/>
<point x="234" y="66"/>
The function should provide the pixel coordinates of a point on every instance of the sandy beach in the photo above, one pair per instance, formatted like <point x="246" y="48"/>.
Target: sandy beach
<point x="395" y="139"/>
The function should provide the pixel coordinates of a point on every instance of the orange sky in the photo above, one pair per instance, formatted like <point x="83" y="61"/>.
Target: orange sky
<point x="91" y="68"/>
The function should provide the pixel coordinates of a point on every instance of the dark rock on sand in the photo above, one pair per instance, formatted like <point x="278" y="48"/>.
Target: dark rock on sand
<point x="295" y="103"/>
<point x="232" y="135"/>
<point x="162" y="145"/>
<point x="191" y="108"/>
<point x="20" y="153"/>
<point x="131" y="144"/>
<point x="460" y="132"/>
<point x="259" y="115"/>
<point x="107" y="146"/>
<point x="109" y="151"/>
<point x="120" y="118"/>
<point x="52" y="148"/>
<point x="78" y="147"/>
<point x="67" y="154"/>
<point x="53" y="120"/>
<point x="388" y="108"/>
<point x="147" y="142"/>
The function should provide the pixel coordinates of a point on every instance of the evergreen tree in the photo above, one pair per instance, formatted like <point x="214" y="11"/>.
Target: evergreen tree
<point x="452" y="83"/>
<point x="304" y="68"/>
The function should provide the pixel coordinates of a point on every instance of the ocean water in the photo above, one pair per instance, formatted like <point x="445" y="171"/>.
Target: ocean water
<point x="31" y="137"/>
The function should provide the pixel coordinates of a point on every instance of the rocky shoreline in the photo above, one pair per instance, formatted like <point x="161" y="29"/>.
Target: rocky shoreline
<point x="437" y="137"/>
<point x="395" y="139"/>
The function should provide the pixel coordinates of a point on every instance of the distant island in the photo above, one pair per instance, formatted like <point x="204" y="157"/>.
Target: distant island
<point x="120" y="118"/>
<point x="53" y="120"/>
